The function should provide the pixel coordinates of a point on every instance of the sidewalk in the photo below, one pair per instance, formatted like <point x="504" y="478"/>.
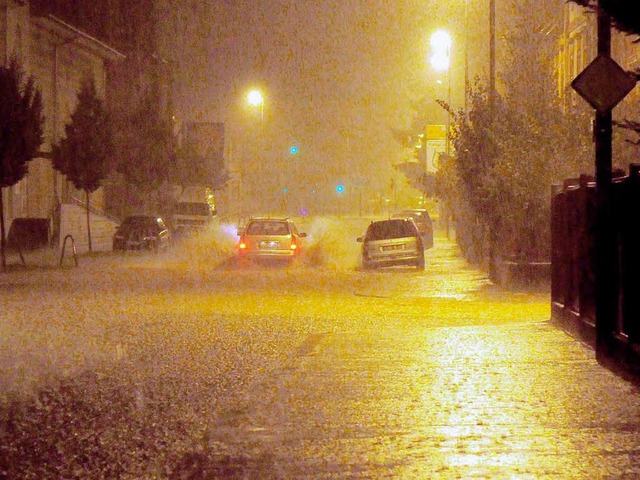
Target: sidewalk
<point x="423" y="393"/>
<point x="510" y="401"/>
<point x="386" y="375"/>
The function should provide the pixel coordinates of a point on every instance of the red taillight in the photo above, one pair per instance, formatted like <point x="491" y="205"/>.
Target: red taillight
<point x="294" y="247"/>
<point x="242" y="245"/>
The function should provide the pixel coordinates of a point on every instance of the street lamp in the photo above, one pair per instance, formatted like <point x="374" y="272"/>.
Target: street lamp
<point x="441" y="61"/>
<point x="256" y="99"/>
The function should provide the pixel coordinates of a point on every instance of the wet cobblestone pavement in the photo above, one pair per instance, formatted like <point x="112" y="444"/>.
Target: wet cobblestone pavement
<point x="471" y="385"/>
<point x="518" y="401"/>
<point x="151" y="367"/>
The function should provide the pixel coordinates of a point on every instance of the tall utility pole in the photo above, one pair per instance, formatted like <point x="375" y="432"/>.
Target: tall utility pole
<point x="493" y="231"/>
<point x="492" y="56"/>
<point x="606" y="292"/>
<point x="604" y="83"/>
<point x="466" y="56"/>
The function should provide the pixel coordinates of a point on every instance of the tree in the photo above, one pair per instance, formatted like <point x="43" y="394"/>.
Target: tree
<point x="145" y="146"/>
<point x="540" y="143"/>
<point x="21" y="131"/>
<point x="190" y="167"/>
<point x="219" y="172"/>
<point x="84" y="154"/>
<point x="193" y="168"/>
<point x="499" y="182"/>
<point x="465" y="181"/>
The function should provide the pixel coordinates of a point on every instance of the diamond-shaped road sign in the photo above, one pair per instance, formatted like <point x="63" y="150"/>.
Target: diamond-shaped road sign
<point x="603" y="83"/>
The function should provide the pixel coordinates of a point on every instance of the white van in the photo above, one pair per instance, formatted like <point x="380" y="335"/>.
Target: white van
<point x="195" y="211"/>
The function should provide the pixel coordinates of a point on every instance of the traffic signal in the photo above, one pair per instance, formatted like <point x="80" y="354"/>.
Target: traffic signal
<point x="339" y="188"/>
<point x="293" y="150"/>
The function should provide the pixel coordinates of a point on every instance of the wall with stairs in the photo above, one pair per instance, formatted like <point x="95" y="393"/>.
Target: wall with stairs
<point x="73" y="221"/>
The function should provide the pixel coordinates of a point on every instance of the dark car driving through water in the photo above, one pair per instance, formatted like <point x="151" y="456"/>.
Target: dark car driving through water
<point x="142" y="232"/>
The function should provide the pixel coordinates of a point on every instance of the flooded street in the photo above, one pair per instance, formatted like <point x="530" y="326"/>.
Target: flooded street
<point x="189" y="365"/>
<point x="316" y="240"/>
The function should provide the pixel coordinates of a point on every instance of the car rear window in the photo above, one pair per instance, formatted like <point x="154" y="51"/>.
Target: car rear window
<point x="193" y="208"/>
<point x="140" y="221"/>
<point x="150" y="224"/>
<point x="391" y="229"/>
<point x="267" y="228"/>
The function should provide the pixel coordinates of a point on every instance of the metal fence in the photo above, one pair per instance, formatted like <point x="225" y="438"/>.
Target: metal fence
<point x="573" y="256"/>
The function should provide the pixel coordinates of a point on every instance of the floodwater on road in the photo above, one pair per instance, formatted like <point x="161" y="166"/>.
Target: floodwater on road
<point x="188" y="363"/>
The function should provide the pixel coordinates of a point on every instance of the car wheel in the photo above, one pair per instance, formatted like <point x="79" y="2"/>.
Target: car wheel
<point x="420" y="263"/>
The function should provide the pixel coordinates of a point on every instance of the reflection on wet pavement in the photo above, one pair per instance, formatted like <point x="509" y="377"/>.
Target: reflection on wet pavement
<point x="188" y="367"/>
<point x="447" y="377"/>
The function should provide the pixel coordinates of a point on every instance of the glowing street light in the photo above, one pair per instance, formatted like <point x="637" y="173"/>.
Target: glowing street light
<point x="256" y="99"/>
<point x="441" y="46"/>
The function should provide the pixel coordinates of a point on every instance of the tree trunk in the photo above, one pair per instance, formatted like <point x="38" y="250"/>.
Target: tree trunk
<point x="2" y="237"/>
<point x="88" y="221"/>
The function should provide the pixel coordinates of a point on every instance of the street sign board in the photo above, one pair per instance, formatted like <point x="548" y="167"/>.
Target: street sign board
<point x="434" y="148"/>
<point x="603" y="83"/>
<point x="435" y="143"/>
<point x="436" y="132"/>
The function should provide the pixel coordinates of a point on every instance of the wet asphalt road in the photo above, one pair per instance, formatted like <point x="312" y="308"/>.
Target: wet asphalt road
<point x="155" y="368"/>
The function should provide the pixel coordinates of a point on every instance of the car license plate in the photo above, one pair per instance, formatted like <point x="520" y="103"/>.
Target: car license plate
<point x="387" y="248"/>
<point x="268" y="244"/>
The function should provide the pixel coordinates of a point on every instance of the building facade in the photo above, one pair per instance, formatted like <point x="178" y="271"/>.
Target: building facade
<point x="59" y="57"/>
<point x="62" y="43"/>
<point x="578" y="47"/>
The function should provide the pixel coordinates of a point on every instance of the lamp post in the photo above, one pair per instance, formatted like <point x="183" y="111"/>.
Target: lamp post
<point x="492" y="57"/>
<point x="256" y="99"/>
<point x="466" y="56"/>
<point x="441" y="61"/>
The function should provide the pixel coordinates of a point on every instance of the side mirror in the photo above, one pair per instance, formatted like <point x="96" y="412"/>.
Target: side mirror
<point x="302" y="235"/>
<point x="360" y="239"/>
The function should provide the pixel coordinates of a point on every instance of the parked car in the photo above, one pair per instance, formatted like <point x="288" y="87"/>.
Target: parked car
<point x="194" y="211"/>
<point x="396" y="241"/>
<point x="264" y="237"/>
<point x="423" y="221"/>
<point x="142" y="232"/>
